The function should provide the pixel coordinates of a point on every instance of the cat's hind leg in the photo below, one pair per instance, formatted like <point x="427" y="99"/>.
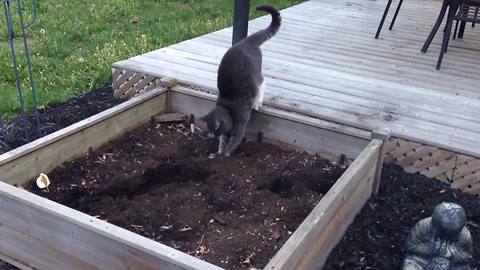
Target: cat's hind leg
<point x="232" y="145"/>
<point x="236" y="137"/>
<point x="260" y="96"/>
<point x="223" y="140"/>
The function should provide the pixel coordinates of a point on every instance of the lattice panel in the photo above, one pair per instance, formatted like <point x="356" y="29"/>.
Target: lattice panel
<point x="460" y="171"/>
<point x="128" y="84"/>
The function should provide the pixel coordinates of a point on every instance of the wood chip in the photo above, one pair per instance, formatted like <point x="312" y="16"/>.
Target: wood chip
<point x="275" y="234"/>
<point x="169" y="118"/>
<point x="185" y="229"/>
<point x="248" y="260"/>
<point x="202" y="250"/>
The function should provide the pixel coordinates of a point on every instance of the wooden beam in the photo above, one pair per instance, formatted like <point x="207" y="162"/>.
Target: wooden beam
<point x="168" y="118"/>
<point x="240" y="20"/>
<point x="309" y="246"/>
<point x="40" y="234"/>
<point x="42" y="155"/>
<point x="384" y="136"/>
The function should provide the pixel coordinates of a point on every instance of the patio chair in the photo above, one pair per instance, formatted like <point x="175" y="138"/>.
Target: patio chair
<point x="469" y="14"/>
<point x="463" y="15"/>
<point x="385" y="13"/>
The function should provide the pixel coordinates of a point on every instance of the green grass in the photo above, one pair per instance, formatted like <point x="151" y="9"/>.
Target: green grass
<point x="74" y="43"/>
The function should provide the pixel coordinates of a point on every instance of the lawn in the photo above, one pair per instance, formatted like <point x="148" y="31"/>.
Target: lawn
<point x="73" y="43"/>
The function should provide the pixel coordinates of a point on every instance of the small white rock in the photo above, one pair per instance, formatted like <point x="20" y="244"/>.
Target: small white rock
<point x="43" y="181"/>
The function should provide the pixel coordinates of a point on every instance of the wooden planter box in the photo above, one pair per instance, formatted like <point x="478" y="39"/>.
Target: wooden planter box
<point x="36" y="233"/>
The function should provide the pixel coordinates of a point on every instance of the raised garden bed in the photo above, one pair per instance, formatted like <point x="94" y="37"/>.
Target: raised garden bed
<point x="162" y="183"/>
<point x="42" y="234"/>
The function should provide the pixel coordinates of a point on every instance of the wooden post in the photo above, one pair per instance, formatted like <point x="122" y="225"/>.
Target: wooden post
<point x="383" y="135"/>
<point x="240" y="20"/>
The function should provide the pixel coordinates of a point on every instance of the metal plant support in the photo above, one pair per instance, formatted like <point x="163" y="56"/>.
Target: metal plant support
<point x="11" y="38"/>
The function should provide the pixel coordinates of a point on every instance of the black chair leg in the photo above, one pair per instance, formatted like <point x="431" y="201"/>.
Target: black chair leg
<point x="448" y="40"/>
<point x="395" y="15"/>
<point x="445" y="28"/>
<point x="436" y="26"/>
<point x="383" y="19"/>
<point x="475" y="16"/>
<point x="446" y="36"/>
<point x="461" y="30"/>
<point x="456" y="29"/>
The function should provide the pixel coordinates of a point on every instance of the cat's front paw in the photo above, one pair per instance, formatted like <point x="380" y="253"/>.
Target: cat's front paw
<point x="221" y="150"/>
<point x="257" y="106"/>
<point x="227" y="153"/>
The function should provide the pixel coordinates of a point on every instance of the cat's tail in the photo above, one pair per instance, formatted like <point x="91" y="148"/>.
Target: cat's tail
<point x="261" y="36"/>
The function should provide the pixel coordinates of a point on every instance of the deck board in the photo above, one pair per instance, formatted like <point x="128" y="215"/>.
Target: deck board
<point x="324" y="62"/>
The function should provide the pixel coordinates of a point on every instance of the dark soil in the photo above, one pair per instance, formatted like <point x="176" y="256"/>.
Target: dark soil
<point x="55" y="117"/>
<point x="162" y="183"/>
<point x="376" y="237"/>
<point x="6" y="266"/>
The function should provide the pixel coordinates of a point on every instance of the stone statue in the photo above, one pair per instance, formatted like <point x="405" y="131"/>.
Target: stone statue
<point x="440" y="242"/>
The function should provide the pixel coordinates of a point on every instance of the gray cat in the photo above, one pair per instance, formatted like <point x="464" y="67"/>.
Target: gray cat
<point x="241" y="87"/>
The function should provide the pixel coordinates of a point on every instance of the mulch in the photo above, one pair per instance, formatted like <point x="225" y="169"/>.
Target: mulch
<point x="376" y="237"/>
<point x="55" y="117"/>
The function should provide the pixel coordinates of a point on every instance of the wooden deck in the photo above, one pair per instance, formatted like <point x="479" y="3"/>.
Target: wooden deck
<point x="325" y="63"/>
